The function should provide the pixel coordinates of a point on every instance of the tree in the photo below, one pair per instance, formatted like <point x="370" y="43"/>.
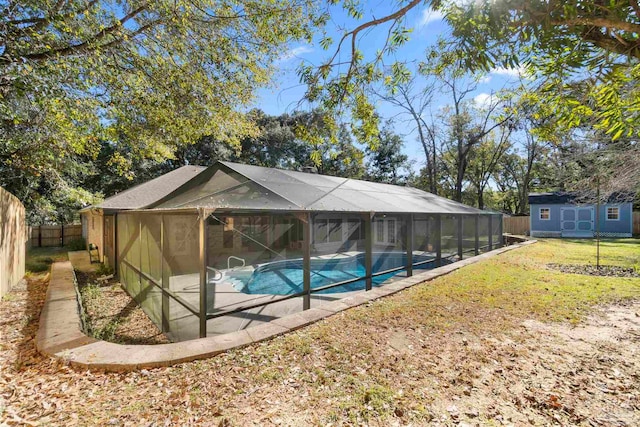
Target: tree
<point x="386" y="163"/>
<point x="147" y="76"/>
<point x="414" y="101"/>
<point x="557" y="40"/>
<point x="485" y="159"/>
<point x="276" y="145"/>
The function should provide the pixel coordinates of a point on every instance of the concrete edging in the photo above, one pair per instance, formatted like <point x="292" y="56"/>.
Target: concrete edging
<point x="60" y="335"/>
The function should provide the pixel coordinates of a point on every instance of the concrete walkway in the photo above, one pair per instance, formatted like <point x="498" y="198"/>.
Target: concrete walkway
<point x="60" y="327"/>
<point x="60" y="334"/>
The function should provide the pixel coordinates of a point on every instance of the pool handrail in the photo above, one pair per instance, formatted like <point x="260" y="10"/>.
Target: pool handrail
<point x="218" y="273"/>
<point x="236" y="258"/>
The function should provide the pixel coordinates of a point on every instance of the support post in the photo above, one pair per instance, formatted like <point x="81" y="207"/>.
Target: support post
<point x="116" y="259"/>
<point x="409" y="243"/>
<point x="62" y="235"/>
<point x="306" y="261"/>
<point x="165" y="297"/>
<point x="500" y="236"/>
<point x="460" y="235"/>
<point x="438" y="239"/>
<point x="476" y="227"/>
<point x="202" y="220"/>
<point x="490" y="232"/>
<point x="368" y="250"/>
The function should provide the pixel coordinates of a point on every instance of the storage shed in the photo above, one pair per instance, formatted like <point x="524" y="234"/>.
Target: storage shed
<point x="239" y="245"/>
<point x="561" y="214"/>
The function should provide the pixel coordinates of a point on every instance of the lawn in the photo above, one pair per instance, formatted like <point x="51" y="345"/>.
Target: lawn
<point x="503" y="341"/>
<point x="40" y="259"/>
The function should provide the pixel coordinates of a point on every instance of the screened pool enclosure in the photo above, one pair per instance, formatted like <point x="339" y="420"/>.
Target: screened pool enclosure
<point x="241" y="245"/>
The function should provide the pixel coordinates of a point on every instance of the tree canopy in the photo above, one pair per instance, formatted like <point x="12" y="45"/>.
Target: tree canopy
<point x="147" y="76"/>
<point x="585" y="55"/>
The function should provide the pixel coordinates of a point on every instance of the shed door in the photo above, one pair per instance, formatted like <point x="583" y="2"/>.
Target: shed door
<point x="577" y="222"/>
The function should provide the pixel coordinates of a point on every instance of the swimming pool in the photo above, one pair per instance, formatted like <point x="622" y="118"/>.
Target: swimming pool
<point x="286" y="277"/>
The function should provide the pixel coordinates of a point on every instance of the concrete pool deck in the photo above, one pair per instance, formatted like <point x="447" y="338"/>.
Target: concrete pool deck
<point x="224" y="296"/>
<point x="60" y="335"/>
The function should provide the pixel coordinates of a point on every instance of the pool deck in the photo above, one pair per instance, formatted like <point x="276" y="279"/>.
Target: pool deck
<point x="226" y="297"/>
<point x="60" y="335"/>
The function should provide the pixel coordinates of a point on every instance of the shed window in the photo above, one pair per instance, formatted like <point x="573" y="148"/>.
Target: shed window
<point x="613" y="214"/>
<point x="545" y="213"/>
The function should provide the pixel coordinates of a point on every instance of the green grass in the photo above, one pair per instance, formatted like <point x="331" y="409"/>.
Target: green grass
<point x="39" y="260"/>
<point x="519" y="283"/>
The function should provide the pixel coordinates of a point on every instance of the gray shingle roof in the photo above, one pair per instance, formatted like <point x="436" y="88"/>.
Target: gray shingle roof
<point x="227" y="185"/>
<point x="565" y="197"/>
<point x="147" y="193"/>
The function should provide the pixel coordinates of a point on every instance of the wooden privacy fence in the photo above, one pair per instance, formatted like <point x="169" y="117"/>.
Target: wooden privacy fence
<point x="13" y="238"/>
<point x="515" y="225"/>
<point x="54" y="235"/>
<point x="636" y="223"/>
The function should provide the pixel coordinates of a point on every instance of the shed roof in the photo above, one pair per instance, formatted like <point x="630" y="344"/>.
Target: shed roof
<point x="227" y="185"/>
<point x="148" y="193"/>
<point x="566" y="197"/>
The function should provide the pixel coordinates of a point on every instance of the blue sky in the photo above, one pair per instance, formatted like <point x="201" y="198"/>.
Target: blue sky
<point x="427" y="26"/>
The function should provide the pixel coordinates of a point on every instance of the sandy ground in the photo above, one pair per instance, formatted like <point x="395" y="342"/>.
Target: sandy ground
<point x="487" y="369"/>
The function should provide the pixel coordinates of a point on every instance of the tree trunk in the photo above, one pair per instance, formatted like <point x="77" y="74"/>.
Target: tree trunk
<point x="480" y="198"/>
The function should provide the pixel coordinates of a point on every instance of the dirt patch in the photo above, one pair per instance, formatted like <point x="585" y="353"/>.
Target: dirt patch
<point x="112" y="315"/>
<point x="592" y="270"/>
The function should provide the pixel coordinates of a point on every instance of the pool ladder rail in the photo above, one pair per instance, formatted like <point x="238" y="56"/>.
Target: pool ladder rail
<point x="235" y="258"/>
<point x="219" y="276"/>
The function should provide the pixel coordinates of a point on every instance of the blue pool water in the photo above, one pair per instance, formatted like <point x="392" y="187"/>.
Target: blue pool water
<point x="285" y="277"/>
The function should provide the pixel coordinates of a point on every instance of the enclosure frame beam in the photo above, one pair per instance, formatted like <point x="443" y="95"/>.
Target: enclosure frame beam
<point x="368" y="250"/>
<point x="306" y="261"/>
<point x="490" y="232"/>
<point x="203" y="271"/>
<point x="409" y="243"/>
<point x="165" y="296"/>
<point x="476" y="226"/>
<point x="460" y="226"/>
<point x="438" y="239"/>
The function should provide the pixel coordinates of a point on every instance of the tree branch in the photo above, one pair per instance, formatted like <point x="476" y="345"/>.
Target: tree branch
<point x="85" y="45"/>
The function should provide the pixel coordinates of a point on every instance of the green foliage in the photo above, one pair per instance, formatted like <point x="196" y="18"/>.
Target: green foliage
<point x="387" y="163"/>
<point x="104" y="270"/>
<point x="143" y="77"/>
<point x="78" y="244"/>
<point x="38" y="264"/>
<point x="586" y="54"/>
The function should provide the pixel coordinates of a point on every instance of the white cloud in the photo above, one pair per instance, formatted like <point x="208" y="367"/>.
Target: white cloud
<point x="296" y="52"/>
<point x="484" y="100"/>
<point x="509" y="72"/>
<point x="485" y="79"/>
<point x="428" y="16"/>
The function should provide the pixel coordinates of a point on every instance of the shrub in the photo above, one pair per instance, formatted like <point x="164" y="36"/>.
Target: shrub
<point x="78" y="244"/>
<point x="103" y="270"/>
<point x="37" y="266"/>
